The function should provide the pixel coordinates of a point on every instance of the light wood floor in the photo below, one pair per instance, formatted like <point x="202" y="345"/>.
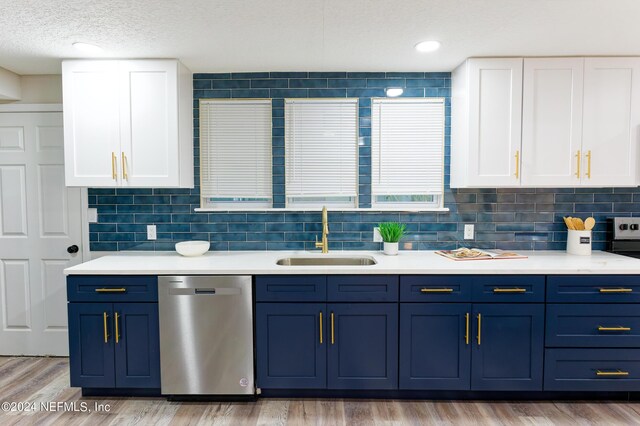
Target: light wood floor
<point x="37" y="380"/>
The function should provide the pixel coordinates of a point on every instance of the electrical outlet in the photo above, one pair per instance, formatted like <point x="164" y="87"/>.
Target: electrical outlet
<point x="469" y="231"/>
<point x="151" y="232"/>
<point x="377" y="238"/>
<point x="92" y="215"/>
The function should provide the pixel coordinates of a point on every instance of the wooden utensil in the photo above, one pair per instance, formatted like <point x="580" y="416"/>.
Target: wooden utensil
<point x="589" y="223"/>
<point x="578" y="224"/>
<point x="567" y="221"/>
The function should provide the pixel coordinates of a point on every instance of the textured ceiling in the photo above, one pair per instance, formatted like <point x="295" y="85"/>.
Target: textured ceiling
<point x="274" y="35"/>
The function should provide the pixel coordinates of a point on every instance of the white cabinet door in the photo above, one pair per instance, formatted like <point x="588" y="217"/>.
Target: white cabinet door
<point x="551" y="121"/>
<point x="611" y="121"/>
<point x="91" y="123"/>
<point x="149" y="123"/>
<point x="495" y="102"/>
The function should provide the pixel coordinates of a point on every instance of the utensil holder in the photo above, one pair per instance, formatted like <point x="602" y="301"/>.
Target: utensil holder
<point x="579" y="242"/>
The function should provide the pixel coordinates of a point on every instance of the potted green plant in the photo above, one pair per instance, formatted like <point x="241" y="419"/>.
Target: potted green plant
<point x="391" y="233"/>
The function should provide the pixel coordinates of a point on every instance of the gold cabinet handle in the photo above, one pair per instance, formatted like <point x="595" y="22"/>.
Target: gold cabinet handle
<point x="612" y="373"/>
<point x="616" y="290"/>
<point x="510" y="290"/>
<point x="106" y="332"/>
<point x="111" y="290"/>
<point x="116" y="318"/>
<point x="320" y="327"/>
<point x="517" y="164"/>
<point x="114" y="173"/>
<point x="588" y="164"/>
<point x="466" y="329"/>
<point x="333" y="336"/>
<point x="578" y="164"/>
<point x="617" y="328"/>
<point x="125" y="176"/>
<point x="436" y="290"/>
<point x="479" y="329"/>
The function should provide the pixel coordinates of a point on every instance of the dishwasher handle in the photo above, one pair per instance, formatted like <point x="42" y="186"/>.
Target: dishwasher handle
<point x="204" y="291"/>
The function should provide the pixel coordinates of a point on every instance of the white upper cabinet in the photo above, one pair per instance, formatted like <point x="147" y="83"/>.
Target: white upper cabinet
<point x="611" y="121"/>
<point x="486" y="123"/>
<point x="551" y="121"/>
<point x="128" y="123"/>
<point x="580" y="122"/>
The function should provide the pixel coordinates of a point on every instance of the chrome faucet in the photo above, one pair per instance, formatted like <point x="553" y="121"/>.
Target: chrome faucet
<point x="324" y="244"/>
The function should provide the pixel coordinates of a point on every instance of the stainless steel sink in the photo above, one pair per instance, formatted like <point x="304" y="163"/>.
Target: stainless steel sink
<point x="327" y="261"/>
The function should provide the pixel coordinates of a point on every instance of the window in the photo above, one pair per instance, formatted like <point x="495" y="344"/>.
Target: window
<point x="321" y="152"/>
<point x="407" y="153"/>
<point x="235" y="154"/>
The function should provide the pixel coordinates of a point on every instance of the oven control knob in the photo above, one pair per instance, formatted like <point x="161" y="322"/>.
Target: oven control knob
<point x="624" y="227"/>
<point x="634" y="227"/>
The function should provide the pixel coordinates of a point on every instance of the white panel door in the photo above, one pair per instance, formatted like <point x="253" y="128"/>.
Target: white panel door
<point x="39" y="219"/>
<point x="91" y="123"/>
<point x="495" y="107"/>
<point x="611" y="121"/>
<point x="551" y="121"/>
<point x="149" y="123"/>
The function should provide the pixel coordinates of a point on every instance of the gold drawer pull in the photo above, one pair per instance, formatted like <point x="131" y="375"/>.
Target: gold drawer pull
<point x="612" y="373"/>
<point x="114" y="173"/>
<point x="479" y="328"/>
<point x="589" y="164"/>
<point x="125" y="176"/>
<point x="333" y="335"/>
<point x="578" y="164"/>
<point x="517" y="174"/>
<point x="616" y="290"/>
<point x="320" y="327"/>
<point x="111" y="290"/>
<point x="618" y="328"/>
<point x="116" y="318"/>
<point x="510" y="290"/>
<point x="436" y="290"/>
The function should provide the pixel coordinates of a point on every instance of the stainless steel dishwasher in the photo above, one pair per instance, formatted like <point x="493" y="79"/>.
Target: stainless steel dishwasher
<point x="206" y="335"/>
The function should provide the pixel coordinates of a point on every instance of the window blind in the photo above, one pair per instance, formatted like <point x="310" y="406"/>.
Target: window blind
<point x="407" y="147"/>
<point x="321" y="148"/>
<point x="235" y="149"/>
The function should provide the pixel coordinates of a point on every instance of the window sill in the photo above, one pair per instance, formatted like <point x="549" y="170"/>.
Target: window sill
<point x="352" y="209"/>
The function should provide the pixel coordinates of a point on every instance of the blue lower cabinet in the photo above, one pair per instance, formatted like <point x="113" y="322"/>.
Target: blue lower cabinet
<point x="137" y="347"/>
<point x="592" y="370"/>
<point x="91" y="345"/>
<point x="508" y="347"/>
<point x="291" y="352"/>
<point x="114" y="345"/>
<point x="435" y="346"/>
<point x="363" y="346"/>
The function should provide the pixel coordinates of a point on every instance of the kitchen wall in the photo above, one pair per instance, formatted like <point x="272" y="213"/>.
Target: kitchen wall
<point x="521" y="219"/>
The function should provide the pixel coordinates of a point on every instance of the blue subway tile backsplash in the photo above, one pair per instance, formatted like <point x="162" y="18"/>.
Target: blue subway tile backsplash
<point x="509" y="218"/>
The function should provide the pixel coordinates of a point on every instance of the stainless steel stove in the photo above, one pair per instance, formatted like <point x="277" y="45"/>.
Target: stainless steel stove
<point x="624" y="236"/>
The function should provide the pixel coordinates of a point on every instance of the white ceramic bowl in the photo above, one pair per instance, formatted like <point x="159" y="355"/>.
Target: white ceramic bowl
<point x="192" y="248"/>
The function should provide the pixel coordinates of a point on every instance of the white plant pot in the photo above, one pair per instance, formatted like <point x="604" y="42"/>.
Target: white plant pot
<point x="390" y="249"/>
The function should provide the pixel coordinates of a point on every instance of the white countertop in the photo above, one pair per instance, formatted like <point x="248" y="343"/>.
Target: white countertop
<point x="407" y="262"/>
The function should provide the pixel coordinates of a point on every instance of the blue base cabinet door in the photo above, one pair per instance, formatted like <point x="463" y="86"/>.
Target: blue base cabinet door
<point x="137" y="345"/>
<point x="363" y="346"/>
<point x="91" y="345"/>
<point x="435" y="346"/>
<point x="508" y="347"/>
<point x="291" y="345"/>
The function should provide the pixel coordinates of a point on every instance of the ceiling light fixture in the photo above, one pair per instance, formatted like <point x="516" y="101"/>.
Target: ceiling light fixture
<point x="427" y="46"/>
<point x="87" y="47"/>
<point x="392" y="92"/>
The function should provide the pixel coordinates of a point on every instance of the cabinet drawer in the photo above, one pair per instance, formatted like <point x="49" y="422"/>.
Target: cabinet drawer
<point x="435" y="288"/>
<point x="508" y="288"/>
<point x="594" y="288"/>
<point x="112" y="288"/>
<point x="362" y="288"/>
<point x="593" y="326"/>
<point x="291" y="288"/>
<point x="592" y="369"/>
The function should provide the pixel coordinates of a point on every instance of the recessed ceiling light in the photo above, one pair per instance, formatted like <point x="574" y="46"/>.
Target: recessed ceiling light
<point x="427" y="46"/>
<point x="392" y="92"/>
<point x="87" y="47"/>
